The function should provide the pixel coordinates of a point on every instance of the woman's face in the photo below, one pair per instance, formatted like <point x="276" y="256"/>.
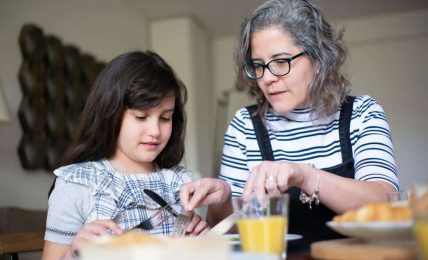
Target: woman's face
<point x="290" y="91"/>
<point x="143" y="135"/>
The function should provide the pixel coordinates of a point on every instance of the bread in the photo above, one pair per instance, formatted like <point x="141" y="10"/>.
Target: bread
<point x="132" y="238"/>
<point x="420" y="204"/>
<point x="139" y="245"/>
<point x="376" y="212"/>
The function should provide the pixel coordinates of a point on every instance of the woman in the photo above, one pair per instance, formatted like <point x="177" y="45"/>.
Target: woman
<point x="330" y="152"/>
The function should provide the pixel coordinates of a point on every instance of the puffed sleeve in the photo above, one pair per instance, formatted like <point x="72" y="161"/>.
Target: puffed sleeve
<point x="69" y="204"/>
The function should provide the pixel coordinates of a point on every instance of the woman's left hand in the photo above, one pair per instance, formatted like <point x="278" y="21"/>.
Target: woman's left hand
<point x="274" y="177"/>
<point x="197" y="226"/>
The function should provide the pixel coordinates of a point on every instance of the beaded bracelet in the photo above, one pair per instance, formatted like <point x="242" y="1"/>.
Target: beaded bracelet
<point x="305" y="198"/>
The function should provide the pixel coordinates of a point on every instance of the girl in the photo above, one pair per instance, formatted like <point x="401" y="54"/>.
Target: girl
<point x="131" y="137"/>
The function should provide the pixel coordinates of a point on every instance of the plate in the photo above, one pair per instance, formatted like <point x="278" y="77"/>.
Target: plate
<point x="375" y="231"/>
<point x="252" y="256"/>
<point x="234" y="238"/>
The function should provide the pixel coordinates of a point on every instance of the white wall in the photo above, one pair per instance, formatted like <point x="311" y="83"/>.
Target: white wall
<point x="102" y="28"/>
<point x="228" y="99"/>
<point x="389" y="61"/>
<point x="189" y="56"/>
<point x="223" y="65"/>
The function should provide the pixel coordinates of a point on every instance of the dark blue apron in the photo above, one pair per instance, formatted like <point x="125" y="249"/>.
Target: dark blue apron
<point x="311" y="223"/>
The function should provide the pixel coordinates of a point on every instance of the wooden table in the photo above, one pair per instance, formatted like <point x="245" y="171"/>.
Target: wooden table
<point x="21" y="242"/>
<point x="357" y="249"/>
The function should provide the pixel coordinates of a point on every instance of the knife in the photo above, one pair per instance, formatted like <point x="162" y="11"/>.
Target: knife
<point x="223" y="226"/>
<point x="159" y="200"/>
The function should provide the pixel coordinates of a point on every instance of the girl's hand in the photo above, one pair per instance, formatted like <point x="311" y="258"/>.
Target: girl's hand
<point x="197" y="226"/>
<point x="274" y="177"/>
<point x="92" y="230"/>
<point x="203" y="192"/>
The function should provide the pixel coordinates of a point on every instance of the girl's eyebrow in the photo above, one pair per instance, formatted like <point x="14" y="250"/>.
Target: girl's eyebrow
<point x="168" y="110"/>
<point x="146" y="110"/>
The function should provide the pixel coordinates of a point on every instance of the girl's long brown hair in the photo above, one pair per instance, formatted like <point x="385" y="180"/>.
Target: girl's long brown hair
<point x="135" y="80"/>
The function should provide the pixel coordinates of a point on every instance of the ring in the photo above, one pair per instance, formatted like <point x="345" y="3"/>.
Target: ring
<point x="270" y="178"/>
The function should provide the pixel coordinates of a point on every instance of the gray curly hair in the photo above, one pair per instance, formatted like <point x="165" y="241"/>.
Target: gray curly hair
<point x="305" y="23"/>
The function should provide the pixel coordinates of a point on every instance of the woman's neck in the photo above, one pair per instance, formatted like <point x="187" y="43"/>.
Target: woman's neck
<point x="301" y="114"/>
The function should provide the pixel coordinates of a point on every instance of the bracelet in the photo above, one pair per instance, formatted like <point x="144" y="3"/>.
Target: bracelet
<point x="305" y="198"/>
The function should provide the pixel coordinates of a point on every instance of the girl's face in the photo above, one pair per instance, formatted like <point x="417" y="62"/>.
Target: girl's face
<point x="290" y="91"/>
<point x="143" y="135"/>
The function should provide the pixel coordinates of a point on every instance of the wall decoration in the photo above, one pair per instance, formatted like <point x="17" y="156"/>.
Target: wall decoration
<point x="55" y="80"/>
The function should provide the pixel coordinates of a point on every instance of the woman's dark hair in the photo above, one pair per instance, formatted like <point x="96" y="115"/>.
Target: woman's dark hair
<point x="134" y="80"/>
<point x="304" y="22"/>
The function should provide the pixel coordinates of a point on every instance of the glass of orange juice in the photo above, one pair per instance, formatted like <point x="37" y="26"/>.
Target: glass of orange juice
<point x="419" y="206"/>
<point x="263" y="223"/>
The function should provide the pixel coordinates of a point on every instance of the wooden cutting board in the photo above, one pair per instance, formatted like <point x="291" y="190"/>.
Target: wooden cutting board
<point x="352" y="248"/>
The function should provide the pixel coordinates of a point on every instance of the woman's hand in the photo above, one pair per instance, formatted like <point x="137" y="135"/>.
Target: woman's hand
<point x="197" y="226"/>
<point x="92" y="230"/>
<point x="203" y="192"/>
<point x="274" y="177"/>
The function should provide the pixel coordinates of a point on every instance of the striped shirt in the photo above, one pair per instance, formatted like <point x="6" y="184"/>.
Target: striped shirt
<point x="296" y="137"/>
<point x="90" y="191"/>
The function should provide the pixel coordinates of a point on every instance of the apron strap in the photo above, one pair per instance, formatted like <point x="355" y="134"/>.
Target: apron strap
<point x="344" y="126"/>
<point x="261" y="134"/>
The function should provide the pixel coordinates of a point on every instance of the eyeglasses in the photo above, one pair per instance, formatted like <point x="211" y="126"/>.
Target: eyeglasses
<point x="278" y="67"/>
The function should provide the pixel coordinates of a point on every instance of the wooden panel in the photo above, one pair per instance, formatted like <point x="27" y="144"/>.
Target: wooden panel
<point x="55" y="80"/>
<point x="21" y="242"/>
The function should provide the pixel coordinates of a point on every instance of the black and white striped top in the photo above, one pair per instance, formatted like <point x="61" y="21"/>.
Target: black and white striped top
<point x="297" y="138"/>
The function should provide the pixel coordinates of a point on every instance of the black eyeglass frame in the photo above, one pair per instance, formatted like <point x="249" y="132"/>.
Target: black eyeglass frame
<point x="266" y="66"/>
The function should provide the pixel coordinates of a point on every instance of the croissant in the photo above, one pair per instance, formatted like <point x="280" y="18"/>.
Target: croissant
<point x="375" y="212"/>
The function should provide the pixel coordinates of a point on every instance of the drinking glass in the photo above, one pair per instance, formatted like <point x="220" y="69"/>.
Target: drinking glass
<point x="263" y="223"/>
<point x="419" y="206"/>
<point x="399" y="198"/>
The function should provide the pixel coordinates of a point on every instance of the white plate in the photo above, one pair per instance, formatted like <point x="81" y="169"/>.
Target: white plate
<point x="252" y="256"/>
<point x="375" y="231"/>
<point x="234" y="238"/>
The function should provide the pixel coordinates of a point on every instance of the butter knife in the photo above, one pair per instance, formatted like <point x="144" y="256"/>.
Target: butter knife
<point x="223" y="226"/>
<point x="159" y="200"/>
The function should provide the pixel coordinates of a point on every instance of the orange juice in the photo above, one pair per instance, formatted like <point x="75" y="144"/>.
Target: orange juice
<point x="264" y="234"/>
<point x="421" y="232"/>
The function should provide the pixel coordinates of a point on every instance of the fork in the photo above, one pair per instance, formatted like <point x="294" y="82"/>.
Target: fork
<point x="153" y="221"/>
<point x="180" y="225"/>
<point x="182" y="220"/>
